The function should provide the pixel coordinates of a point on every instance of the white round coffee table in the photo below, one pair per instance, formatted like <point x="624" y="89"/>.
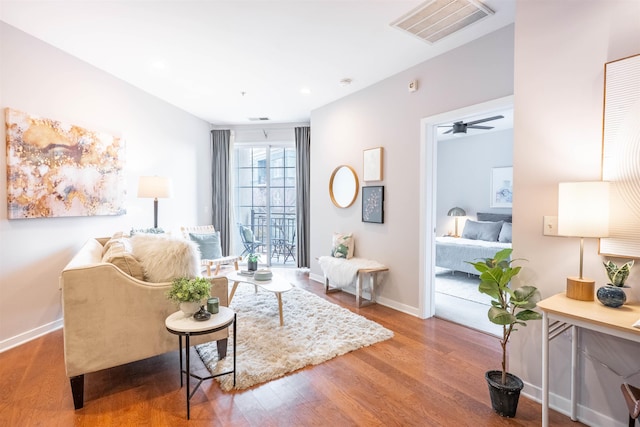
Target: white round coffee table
<point x="277" y="285"/>
<point x="185" y="326"/>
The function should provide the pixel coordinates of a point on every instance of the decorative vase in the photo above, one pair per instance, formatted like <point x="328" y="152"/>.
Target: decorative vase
<point x="611" y="296"/>
<point x="189" y="307"/>
<point x="252" y="265"/>
<point x="504" y="397"/>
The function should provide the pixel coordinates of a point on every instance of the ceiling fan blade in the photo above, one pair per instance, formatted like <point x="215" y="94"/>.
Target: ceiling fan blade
<point x="479" y="127"/>
<point x="485" y="120"/>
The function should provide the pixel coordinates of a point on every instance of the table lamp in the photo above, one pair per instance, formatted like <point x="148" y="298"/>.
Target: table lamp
<point x="583" y="211"/>
<point x="156" y="187"/>
<point x="456" y="212"/>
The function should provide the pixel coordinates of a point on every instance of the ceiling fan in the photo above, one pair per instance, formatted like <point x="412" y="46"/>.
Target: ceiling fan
<point x="461" y="127"/>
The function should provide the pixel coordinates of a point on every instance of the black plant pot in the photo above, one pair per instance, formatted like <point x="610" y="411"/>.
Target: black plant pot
<point x="504" y="397"/>
<point x="252" y="265"/>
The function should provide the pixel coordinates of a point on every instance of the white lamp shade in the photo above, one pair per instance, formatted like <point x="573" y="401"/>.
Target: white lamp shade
<point x="583" y="209"/>
<point x="154" y="187"/>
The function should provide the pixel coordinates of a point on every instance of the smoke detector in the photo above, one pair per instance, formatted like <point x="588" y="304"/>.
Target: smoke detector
<point x="436" y="19"/>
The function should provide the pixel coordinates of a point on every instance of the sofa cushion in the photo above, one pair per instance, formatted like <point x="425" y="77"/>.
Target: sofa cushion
<point x="119" y="253"/>
<point x="208" y="243"/>
<point x="165" y="258"/>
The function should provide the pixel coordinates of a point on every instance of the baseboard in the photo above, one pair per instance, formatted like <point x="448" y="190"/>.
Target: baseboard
<point x="413" y="311"/>
<point x="563" y="405"/>
<point x="30" y="335"/>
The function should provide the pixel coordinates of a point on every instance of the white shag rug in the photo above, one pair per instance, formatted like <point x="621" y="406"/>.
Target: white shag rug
<point x="314" y="331"/>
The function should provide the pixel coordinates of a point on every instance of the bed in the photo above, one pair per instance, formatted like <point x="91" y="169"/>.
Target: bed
<point x="480" y="239"/>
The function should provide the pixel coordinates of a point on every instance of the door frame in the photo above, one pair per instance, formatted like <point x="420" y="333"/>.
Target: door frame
<point x="428" y="193"/>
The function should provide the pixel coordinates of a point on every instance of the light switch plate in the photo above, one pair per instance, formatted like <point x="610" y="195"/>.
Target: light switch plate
<point x="550" y="225"/>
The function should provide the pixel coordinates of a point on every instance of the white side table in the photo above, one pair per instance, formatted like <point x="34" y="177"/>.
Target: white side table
<point x="186" y="326"/>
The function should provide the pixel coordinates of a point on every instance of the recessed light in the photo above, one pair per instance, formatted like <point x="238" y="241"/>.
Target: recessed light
<point x="305" y="91"/>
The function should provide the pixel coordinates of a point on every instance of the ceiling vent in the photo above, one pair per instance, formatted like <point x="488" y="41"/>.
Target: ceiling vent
<point x="258" y="119"/>
<point x="437" y="19"/>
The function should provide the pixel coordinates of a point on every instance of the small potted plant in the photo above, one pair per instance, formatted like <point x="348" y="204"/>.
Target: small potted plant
<point x="189" y="293"/>
<point x="612" y="295"/>
<point x="509" y="308"/>
<point x="252" y="261"/>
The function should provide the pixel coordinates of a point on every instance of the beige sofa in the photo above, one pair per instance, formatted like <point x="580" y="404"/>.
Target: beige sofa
<point x="112" y="318"/>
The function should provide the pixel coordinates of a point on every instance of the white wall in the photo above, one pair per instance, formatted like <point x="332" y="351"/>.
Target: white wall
<point x="160" y="140"/>
<point x="561" y="49"/>
<point x="387" y="115"/>
<point x="464" y="175"/>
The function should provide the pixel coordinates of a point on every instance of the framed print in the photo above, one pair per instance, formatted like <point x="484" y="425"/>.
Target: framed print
<point x="373" y="204"/>
<point x="372" y="164"/>
<point x="57" y="169"/>
<point x="620" y="160"/>
<point x="501" y="187"/>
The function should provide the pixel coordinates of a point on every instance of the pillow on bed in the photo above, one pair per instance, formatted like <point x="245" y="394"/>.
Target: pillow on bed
<point x="482" y="230"/>
<point x="493" y="217"/>
<point x="505" y="233"/>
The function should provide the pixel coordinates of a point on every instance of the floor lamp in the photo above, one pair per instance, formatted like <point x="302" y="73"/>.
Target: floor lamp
<point x="583" y="211"/>
<point x="155" y="187"/>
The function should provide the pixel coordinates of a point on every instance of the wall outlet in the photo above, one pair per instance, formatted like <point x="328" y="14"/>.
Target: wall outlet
<point x="550" y="226"/>
<point x="413" y="85"/>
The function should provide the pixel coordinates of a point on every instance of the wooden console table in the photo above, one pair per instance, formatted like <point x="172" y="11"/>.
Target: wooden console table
<point x="573" y="314"/>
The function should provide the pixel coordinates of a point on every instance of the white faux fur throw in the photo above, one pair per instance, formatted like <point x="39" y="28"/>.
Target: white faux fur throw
<point x="342" y="272"/>
<point x="164" y="258"/>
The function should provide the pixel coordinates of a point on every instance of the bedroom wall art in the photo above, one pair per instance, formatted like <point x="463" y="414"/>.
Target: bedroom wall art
<point x="58" y="170"/>
<point x="501" y="187"/>
<point x="372" y="164"/>
<point x="621" y="155"/>
<point x="373" y="204"/>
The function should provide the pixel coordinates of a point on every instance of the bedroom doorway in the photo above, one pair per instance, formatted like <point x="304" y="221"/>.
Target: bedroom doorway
<point x="448" y="293"/>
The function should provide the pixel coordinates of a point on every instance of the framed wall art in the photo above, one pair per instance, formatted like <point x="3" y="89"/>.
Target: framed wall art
<point x="501" y="187"/>
<point x="59" y="170"/>
<point x="372" y="164"/>
<point x="373" y="204"/>
<point x="620" y="159"/>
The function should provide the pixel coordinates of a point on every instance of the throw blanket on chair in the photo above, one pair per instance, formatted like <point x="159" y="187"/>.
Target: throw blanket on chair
<point x="342" y="272"/>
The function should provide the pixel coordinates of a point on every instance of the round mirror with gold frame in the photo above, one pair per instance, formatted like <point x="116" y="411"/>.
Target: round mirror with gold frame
<point x="343" y="186"/>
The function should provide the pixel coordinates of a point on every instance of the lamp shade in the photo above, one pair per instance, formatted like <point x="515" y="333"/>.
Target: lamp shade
<point x="456" y="212"/>
<point x="583" y="209"/>
<point x="155" y="187"/>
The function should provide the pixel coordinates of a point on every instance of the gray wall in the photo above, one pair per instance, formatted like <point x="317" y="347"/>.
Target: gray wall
<point x="160" y="140"/>
<point x="464" y="175"/>
<point x="387" y="115"/>
<point x="559" y="79"/>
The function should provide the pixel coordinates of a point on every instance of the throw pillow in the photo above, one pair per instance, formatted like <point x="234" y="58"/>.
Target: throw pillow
<point x="118" y="252"/>
<point x="165" y="258"/>
<point x="480" y="230"/>
<point x="209" y="244"/>
<point x="505" y="233"/>
<point x="343" y="245"/>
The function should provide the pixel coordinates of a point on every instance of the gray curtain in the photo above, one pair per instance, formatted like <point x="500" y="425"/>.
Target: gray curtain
<point x="303" y="176"/>
<point x="220" y="186"/>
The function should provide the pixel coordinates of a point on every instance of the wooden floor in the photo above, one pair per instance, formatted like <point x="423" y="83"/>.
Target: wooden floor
<point x="430" y="374"/>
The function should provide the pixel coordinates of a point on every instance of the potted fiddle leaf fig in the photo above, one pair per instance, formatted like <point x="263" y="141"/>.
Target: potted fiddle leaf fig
<point x="612" y="295"/>
<point x="510" y="308"/>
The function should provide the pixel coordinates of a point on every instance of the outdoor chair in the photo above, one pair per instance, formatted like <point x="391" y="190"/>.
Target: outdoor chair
<point x="251" y="245"/>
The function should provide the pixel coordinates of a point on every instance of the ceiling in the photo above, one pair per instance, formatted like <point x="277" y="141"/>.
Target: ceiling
<point x="228" y="61"/>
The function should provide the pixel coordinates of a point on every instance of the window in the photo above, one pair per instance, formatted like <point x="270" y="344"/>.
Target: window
<point x="265" y="200"/>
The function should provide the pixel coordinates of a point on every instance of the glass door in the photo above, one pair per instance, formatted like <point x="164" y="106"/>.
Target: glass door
<point x="265" y="202"/>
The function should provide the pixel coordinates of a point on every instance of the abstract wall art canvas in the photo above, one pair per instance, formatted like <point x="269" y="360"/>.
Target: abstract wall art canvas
<point x="621" y="156"/>
<point x="59" y="170"/>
